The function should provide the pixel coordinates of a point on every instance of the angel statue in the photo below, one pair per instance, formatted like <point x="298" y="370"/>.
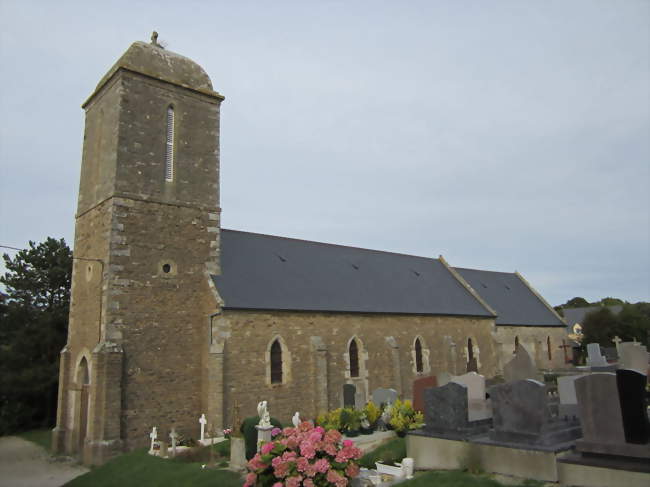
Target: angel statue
<point x="263" y="413"/>
<point x="296" y="419"/>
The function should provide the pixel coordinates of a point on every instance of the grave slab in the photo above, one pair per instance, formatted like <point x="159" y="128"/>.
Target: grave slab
<point x="419" y="385"/>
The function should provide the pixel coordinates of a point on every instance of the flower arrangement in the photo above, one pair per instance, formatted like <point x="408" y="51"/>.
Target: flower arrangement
<point x="227" y="432"/>
<point x="372" y="413"/>
<point x="403" y="417"/>
<point x="305" y="456"/>
<point x="330" y="420"/>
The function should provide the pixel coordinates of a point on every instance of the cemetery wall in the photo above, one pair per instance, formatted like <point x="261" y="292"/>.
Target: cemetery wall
<point x="386" y="341"/>
<point x="535" y="339"/>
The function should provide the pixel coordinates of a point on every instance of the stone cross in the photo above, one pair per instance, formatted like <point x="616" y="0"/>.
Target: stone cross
<point x="173" y="436"/>
<point x="617" y="341"/>
<point x="296" y="419"/>
<point x="203" y="422"/>
<point x="153" y="435"/>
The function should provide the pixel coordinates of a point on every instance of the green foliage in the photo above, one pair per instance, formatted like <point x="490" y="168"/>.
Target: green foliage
<point x="330" y="420"/>
<point x="372" y="413"/>
<point x="202" y="454"/>
<point x="33" y="330"/>
<point x="250" y="434"/>
<point x="390" y="452"/>
<point x="633" y="322"/>
<point x="576" y="302"/>
<point x="403" y="417"/>
<point x="139" y="469"/>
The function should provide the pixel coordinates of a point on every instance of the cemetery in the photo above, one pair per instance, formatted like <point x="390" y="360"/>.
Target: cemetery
<point x="588" y="427"/>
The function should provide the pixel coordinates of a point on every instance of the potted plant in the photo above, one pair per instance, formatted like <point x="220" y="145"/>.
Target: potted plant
<point x="304" y="456"/>
<point x="350" y="421"/>
<point x="404" y="418"/>
<point x="372" y="414"/>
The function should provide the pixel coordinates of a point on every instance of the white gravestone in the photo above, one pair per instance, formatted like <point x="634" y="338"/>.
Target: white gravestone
<point x="173" y="436"/>
<point x="203" y="422"/>
<point x="617" y="341"/>
<point x="296" y="419"/>
<point x="633" y="356"/>
<point x="475" y="384"/>
<point x="595" y="358"/>
<point x="153" y="435"/>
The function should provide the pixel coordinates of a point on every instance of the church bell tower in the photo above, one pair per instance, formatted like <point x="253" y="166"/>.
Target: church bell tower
<point x="146" y="241"/>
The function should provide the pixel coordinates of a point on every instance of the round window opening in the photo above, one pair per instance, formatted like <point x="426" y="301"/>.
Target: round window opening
<point x="166" y="268"/>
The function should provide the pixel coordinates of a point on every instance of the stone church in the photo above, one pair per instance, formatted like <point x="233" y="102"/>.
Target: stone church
<point x="172" y="316"/>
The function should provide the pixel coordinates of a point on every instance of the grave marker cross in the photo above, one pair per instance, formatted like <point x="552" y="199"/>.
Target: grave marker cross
<point x="203" y="422"/>
<point x="153" y="435"/>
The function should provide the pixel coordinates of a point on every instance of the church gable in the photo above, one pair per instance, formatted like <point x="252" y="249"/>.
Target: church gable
<point x="275" y="273"/>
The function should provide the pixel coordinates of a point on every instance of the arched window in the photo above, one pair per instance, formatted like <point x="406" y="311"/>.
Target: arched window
<point x="169" y="154"/>
<point x="470" y="350"/>
<point x="276" y="362"/>
<point x="83" y="376"/>
<point x="516" y="344"/>
<point x="354" y="359"/>
<point x="419" y="367"/>
<point x="548" y="347"/>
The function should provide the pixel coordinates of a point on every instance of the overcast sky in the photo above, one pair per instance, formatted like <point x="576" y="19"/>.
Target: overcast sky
<point x="504" y="135"/>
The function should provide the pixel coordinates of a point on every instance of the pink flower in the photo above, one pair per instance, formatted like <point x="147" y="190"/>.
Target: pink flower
<point x="281" y="470"/>
<point x="308" y="483"/>
<point x="293" y="481"/>
<point x="348" y="443"/>
<point x="256" y="463"/>
<point x="250" y="478"/>
<point x="320" y="429"/>
<point x="267" y="447"/>
<point x="352" y="470"/>
<point x="276" y="431"/>
<point x="322" y="465"/>
<point x="307" y="449"/>
<point x="332" y="476"/>
<point x="278" y="484"/>
<point x="302" y="464"/>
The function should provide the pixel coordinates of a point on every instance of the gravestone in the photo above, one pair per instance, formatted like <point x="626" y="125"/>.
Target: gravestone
<point x="446" y="412"/>
<point x="594" y="357"/>
<point x="475" y="385"/>
<point x="633" y="356"/>
<point x="443" y="378"/>
<point x="173" y="436"/>
<point x="599" y="409"/>
<point x="610" y="353"/>
<point x="631" y="389"/>
<point x="521" y="415"/>
<point x="153" y="435"/>
<point x="384" y="396"/>
<point x="419" y="385"/>
<point x="349" y="391"/>
<point x="566" y="389"/>
<point x="520" y="367"/>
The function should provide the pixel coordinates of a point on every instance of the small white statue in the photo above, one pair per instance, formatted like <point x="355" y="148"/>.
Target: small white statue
<point x="263" y="413"/>
<point x="296" y="419"/>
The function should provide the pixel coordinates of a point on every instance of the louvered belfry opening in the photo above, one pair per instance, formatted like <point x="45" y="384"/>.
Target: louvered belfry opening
<point x="354" y="359"/>
<point x="276" y="363"/>
<point x="169" y="154"/>
<point x="418" y="356"/>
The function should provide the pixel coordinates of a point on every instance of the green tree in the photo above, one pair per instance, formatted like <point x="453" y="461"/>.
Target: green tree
<point x="609" y="301"/>
<point x="633" y="322"/>
<point x="576" y="302"/>
<point x="33" y="328"/>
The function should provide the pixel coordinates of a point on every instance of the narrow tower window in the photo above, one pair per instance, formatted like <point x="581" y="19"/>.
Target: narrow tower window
<point x="418" y="356"/>
<point x="169" y="154"/>
<point x="548" y="347"/>
<point x="354" y="359"/>
<point x="516" y="344"/>
<point x="276" y="363"/>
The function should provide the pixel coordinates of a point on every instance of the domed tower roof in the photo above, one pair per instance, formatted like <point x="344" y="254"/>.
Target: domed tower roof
<point x="155" y="61"/>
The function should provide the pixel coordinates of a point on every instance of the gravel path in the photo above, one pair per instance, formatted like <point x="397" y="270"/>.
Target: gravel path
<point x="25" y="464"/>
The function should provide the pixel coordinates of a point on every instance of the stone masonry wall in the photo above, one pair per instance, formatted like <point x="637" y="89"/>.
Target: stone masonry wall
<point x="246" y="336"/>
<point x="534" y="338"/>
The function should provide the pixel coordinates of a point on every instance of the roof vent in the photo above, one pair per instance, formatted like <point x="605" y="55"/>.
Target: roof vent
<point x="355" y="266"/>
<point x="280" y="257"/>
<point x="482" y="284"/>
<point x="415" y="272"/>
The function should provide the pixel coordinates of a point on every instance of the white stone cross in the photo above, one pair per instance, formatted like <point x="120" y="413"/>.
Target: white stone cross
<point x="173" y="436"/>
<point x="617" y="341"/>
<point x="203" y="422"/>
<point x="296" y="419"/>
<point x="153" y="435"/>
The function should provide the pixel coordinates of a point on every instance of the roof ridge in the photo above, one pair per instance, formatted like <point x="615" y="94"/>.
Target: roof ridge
<point x="331" y="244"/>
<point x="483" y="270"/>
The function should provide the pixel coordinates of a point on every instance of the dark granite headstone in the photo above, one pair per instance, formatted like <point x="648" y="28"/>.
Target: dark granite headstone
<point x="349" y="391"/>
<point x="446" y="412"/>
<point x="631" y="390"/>
<point x="419" y="385"/>
<point x="610" y="354"/>
<point x="521" y="415"/>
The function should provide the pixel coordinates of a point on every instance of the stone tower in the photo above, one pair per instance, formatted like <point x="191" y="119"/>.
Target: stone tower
<point x="146" y="241"/>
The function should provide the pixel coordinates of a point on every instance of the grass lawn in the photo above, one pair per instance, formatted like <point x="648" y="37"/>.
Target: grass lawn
<point x="457" y="479"/>
<point x="40" y="437"/>
<point x="139" y="469"/>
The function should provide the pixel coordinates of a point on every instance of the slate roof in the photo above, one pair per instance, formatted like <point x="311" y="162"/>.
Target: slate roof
<point x="512" y="299"/>
<point x="265" y="272"/>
